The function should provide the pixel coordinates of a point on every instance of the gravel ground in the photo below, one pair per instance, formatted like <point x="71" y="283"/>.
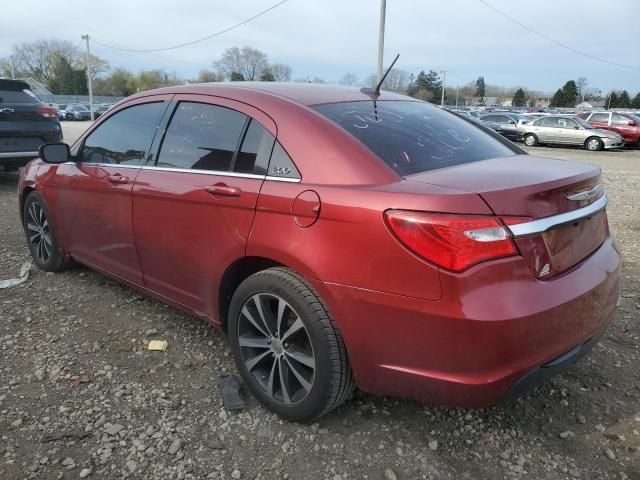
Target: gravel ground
<point x="80" y="397"/>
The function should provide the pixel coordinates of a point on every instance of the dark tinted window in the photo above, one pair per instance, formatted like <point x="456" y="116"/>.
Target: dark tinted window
<point x="600" y="117"/>
<point x="18" y="96"/>
<point x="254" y="153"/>
<point x="496" y="118"/>
<point x="201" y="137"/>
<point x="125" y="137"/>
<point x="281" y="164"/>
<point x="413" y="137"/>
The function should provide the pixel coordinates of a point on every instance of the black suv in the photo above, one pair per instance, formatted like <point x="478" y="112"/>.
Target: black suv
<point x="25" y="124"/>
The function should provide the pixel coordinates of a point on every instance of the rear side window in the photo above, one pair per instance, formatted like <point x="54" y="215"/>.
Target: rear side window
<point x="254" y="153"/>
<point x="600" y="117"/>
<point x="547" y="122"/>
<point x="201" y="137"/>
<point x="125" y="137"/>
<point x="413" y="137"/>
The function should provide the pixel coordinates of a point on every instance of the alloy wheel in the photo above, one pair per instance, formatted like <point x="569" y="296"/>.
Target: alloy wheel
<point x="593" y="144"/>
<point x="276" y="348"/>
<point x="38" y="232"/>
<point x="530" y="140"/>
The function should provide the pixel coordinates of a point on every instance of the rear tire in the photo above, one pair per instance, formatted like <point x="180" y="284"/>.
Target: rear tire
<point x="40" y="237"/>
<point x="530" y="140"/>
<point x="593" y="144"/>
<point x="287" y="347"/>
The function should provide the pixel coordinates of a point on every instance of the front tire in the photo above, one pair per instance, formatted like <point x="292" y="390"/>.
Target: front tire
<point x="287" y="347"/>
<point x="593" y="144"/>
<point x="530" y="140"/>
<point x="40" y="238"/>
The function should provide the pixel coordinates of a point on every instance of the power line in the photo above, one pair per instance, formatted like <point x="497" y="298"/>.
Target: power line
<point x="560" y="44"/>
<point x="148" y="50"/>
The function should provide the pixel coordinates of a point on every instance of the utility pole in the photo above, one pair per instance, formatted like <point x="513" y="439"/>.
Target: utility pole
<point x="383" y="8"/>
<point x="444" y="80"/>
<point x="457" y="92"/>
<point x="13" y="68"/>
<point x="88" y="71"/>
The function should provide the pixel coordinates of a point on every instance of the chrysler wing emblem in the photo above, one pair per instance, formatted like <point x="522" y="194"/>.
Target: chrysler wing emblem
<point x="586" y="194"/>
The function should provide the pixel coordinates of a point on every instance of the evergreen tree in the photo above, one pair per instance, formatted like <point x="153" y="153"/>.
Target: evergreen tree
<point x="63" y="77"/>
<point x="480" y="87"/>
<point x="624" y="100"/>
<point x="612" y="102"/>
<point x="558" y="99"/>
<point x="635" y="103"/>
<point x="267" y="76"/>
<point x="519" y="99"/>
<point x="236" y="77"/>
<point x="570" y="94"/>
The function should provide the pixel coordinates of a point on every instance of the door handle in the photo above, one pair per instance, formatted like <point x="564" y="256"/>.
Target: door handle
<point x="222" y="190"/>
<point x="117" y="178"/>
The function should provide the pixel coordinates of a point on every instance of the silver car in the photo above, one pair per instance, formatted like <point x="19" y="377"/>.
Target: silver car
<point x="568" y="130"/>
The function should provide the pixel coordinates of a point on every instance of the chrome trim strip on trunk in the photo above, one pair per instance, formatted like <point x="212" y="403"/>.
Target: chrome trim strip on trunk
<point x="543" y="224"/>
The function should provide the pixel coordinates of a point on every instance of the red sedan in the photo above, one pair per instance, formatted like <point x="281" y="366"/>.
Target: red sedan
<point x="341" y="238"/>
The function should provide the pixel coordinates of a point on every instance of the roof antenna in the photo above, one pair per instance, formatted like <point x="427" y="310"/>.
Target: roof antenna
<point x="376" y="91"/>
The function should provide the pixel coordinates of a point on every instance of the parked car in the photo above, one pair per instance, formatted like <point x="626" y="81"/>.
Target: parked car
<point x="624" y="123"/>
<point x="62" y="111"/>
<point x="337" y="239"/>
<point x="100" y="109"/>
<point x="567" y="130"/>
<point x="508" y="121"/>
<point x="491" y="125"/>
<point x="25" y="124"/>
<point x="76" y="111"/>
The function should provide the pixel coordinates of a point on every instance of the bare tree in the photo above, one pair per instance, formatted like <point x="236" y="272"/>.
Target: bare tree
<point x="205" y="76"/>
<point x="581" y="85"/>
<point x="397" y="81"/>
<point x="281" y="72"/>
<point x="97" y="65"/>
<point x="246" y="62"/>
<point x="349" y="79"/>
<point x="39" y="58"/>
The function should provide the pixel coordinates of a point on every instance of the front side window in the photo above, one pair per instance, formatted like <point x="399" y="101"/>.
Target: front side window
<point x="413" y="137"/>
<point x="125" y="137"/>
<point x="617" y="119"/>
<point x="201" y="137"/>
<point x="600" y="118"/>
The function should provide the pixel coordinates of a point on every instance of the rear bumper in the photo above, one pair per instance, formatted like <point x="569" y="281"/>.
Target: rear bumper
<point x="494" y="326"/>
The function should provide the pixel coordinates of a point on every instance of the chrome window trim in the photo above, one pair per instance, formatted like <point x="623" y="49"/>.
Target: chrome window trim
<point x="543" y="224"/>
<point x="187" y="170"/>
<point x="18" y="154"/>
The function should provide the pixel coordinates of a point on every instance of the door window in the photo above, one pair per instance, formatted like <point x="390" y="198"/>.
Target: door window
<point x="201" y="137"/>
<point x="617" y="119"/>
<point x="125" y="137"/>
<point x="254" y="153"/>
<point x="548" y="122"/>
<point x="600" y="118"/>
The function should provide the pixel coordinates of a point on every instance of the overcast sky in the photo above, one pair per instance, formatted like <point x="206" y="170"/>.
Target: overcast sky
<point x="327" y="38"/>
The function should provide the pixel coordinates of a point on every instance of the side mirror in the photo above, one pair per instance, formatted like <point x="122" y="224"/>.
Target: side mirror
<point x="632" y="123"/>
<point x="55" y="153"/>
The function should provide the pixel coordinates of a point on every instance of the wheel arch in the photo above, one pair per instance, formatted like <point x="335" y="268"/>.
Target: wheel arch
<point x="234" y="275"/>
<point x="23" y="198"/>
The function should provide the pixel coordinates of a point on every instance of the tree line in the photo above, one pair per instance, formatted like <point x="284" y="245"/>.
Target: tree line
<point x="574" y="92"/>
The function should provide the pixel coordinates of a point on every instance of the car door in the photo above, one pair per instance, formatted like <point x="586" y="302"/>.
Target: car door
<point x="620" y="124"/>
<point x="569" y="132"/>
<point x="94" y="204"/>
<point x="546" y="128"/>
<point x="194" y="208"/>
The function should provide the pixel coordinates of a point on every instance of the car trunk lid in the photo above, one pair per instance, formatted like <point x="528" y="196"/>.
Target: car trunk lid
<point x="523" y="188"/>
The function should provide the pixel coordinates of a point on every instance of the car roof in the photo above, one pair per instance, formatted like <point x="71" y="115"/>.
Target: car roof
<point x="302" y="93"/>
<point x="10" y="84"/>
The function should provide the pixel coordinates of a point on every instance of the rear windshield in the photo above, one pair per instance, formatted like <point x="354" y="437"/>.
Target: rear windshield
<point x="413" y="137"/>
<point x="18" y="96"/>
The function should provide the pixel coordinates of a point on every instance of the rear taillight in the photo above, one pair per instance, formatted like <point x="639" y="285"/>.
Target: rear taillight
<point x="454" y="242"/>
<point x="47" y="112"/>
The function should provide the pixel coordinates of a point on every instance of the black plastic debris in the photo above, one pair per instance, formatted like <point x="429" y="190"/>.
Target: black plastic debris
<point x="72" y="435"/>
<point x="232" y="390"/>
